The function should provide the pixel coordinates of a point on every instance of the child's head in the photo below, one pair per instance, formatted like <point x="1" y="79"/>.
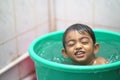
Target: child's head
<point x="79" y="43"/>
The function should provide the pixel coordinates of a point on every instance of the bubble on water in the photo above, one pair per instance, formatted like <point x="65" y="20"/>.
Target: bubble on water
<point x="114" y="58"/>
<point x="110" y="50"/>
<point x="56" y="59"/>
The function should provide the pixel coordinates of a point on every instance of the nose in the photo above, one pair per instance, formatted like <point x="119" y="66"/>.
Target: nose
<point x="78" y="46"/>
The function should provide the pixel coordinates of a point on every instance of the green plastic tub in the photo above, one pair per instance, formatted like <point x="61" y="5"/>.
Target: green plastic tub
<point x="45" y="51"/>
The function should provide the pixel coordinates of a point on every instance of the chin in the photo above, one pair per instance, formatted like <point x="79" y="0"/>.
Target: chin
<point x="82" y="62"/>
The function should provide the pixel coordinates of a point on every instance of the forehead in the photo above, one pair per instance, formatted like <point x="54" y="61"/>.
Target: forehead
<point x="77" y="34"/>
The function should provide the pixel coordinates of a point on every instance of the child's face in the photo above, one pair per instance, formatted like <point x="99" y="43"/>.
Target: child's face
<point x="79" y="47"/>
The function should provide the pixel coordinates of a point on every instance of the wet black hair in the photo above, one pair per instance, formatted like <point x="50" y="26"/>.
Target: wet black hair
<point x="79" y="28"/>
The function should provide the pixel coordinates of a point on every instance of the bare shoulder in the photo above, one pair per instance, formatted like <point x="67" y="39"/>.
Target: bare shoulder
<point x="100" y="60"/>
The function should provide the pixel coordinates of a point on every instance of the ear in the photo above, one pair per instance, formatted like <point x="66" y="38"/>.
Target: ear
<point x="64" y="53"/>
<point x="96" y="48"/>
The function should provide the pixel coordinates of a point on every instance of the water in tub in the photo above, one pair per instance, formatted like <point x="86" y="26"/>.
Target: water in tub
<point x="52" y="51"/>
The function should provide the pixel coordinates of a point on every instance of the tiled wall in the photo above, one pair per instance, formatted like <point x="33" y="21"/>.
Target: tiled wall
<point x="21" y="21"/>
<point x="96" y="13"/>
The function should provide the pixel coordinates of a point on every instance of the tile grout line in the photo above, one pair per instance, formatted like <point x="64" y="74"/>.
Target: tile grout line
<point x="21" y="34"/>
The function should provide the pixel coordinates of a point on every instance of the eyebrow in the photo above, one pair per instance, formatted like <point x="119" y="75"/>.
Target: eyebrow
<point x="87" y="37"/>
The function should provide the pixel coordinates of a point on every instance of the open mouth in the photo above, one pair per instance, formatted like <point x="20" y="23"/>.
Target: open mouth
<point x="80" y="54"/>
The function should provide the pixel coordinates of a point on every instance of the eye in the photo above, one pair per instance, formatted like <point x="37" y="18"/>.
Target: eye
<point x="71" y="43"/>
<point x="84" y="41"/>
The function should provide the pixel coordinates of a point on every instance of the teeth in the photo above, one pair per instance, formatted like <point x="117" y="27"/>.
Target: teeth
<point x="79" y="53"/>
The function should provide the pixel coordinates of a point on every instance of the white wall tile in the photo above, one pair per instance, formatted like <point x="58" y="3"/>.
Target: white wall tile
<point x="107" y="12"/>
<point x="25" y="18"/>
<point x="30" y="13"/>
<point x="77" y="10"/>
<point x="22" y="16"/>
<point x="40" y="11"/>
<point x="60" y="9"/>
<point x="7" y="30"/>
<point x="62" y="25"/>
<point x="42" y="29"/>
<point x="110" y="28"/>
<point x="8" y="53"/>
<point x="24" y="41"/>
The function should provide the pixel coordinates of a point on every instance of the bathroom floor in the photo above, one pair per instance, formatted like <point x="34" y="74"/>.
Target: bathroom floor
<point x="30" y="77"/>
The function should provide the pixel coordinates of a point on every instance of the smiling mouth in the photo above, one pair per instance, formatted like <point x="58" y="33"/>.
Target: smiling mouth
<point x="80" y="54"/>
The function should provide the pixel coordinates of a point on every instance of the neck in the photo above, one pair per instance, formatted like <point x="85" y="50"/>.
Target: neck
<point x="91" y="61"/>
<point x="88" y="62"/>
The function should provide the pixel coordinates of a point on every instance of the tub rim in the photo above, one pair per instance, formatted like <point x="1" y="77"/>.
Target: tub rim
<point x="71" y="68"/>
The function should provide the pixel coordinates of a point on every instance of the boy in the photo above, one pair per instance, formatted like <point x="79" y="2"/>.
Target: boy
<point x="80" y="45"/>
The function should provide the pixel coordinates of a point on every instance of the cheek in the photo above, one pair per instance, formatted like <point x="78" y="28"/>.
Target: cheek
<point x="88" y="48"/>
<point x="69" y="50"/>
